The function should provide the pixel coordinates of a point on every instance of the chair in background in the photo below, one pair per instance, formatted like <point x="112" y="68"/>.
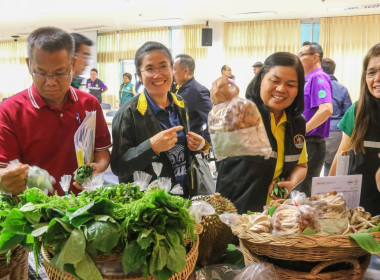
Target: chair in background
<point x="105" y="106"/>
<point x="111" y="113"/>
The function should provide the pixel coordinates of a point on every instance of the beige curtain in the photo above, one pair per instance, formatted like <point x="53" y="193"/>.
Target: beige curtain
<point x="131" y="40"/>
<point x="13" y="68"/>
<point x="248" y="42"/>
<point x="108" y="66"/>
<point x="191" y="42"/>
<point x="346" y="40"/>
<point x="113" y="47"/>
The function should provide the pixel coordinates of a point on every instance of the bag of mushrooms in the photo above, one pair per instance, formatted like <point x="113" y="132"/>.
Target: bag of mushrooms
<point x="235" y="124"/>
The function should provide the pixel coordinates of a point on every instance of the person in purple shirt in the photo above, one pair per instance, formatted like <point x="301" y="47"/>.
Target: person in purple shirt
<point x="341" y="103"/>
<point x="318" y="109"/>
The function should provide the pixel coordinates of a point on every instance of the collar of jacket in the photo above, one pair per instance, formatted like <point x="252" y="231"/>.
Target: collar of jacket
<point x="187" y="83"/>
<point x="142" y="103"/>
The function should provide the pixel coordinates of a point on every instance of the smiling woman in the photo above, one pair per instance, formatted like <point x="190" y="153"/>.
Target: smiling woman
<point x="153" y="126"/>
<point x="277" y="90"/>
<point x="361" y="130"/>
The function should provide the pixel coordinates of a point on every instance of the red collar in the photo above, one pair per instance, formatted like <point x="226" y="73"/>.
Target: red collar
<point x="37" y="101"/>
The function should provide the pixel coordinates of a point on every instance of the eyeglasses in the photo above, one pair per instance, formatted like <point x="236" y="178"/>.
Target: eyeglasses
<point x="152" y="70"/>
<point x="370" y="73"/>
<point x="56" y="77"/>
<point x="305" y="54"/>
<point x="87" y="57"/>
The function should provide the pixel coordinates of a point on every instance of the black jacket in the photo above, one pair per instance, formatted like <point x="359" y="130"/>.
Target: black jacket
<point x="198" y="103"/>
<point x="245" y="180"/>
<point x="132" y="127"/>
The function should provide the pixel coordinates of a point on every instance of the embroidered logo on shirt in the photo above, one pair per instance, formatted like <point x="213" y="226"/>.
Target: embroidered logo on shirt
<point x="299" y="140"/>
<point x="320" y="81"/>
<point x="322" y="93"/>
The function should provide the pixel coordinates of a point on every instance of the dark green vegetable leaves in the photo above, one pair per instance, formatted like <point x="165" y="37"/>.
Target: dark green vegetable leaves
<point x="83" y="173"/>
<point x="279" y="191"/>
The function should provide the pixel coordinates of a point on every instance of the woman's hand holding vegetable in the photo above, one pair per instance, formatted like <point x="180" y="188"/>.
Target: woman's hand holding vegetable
<point x="13" y="180"/>
<point x="195" y="142"/>
<point x="280" y="188"/>
<point x="165" y="140"/>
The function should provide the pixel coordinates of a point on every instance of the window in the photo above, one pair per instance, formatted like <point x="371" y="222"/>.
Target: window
<point x="310" y="32"/>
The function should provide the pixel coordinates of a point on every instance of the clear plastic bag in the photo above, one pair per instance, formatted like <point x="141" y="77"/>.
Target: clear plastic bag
<point x="217" y="272"/>
<point x="291" y="219"/>
<point x="258" y="271"/>
<point x="177" y="190"/>
<point x="157" y="168"/>
<point x="164" y="183"/>
<point x="37" y="177"/>
<point x="332" y="212"/>
<point x="141" y="179"/>
<point x="200" y="208"/>
<point x="236" y="129"/>
<point x="65" y="183"/>
<point x="230" y="219"/>
<point x="96" y="181"/>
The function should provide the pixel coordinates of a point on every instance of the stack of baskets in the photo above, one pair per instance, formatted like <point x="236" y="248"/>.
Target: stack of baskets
<point x="321" y="251"/>
<point x="56" y="274"/>
<point x="17" y="268"/>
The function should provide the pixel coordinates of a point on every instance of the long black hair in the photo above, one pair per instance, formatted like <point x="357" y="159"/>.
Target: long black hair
<point x="280" y="59"/>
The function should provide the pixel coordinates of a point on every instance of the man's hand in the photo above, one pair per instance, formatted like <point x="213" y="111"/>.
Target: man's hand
<point x="165" y="140"/>
<point x="195" y="142"/>
<point x="13" y="180"/>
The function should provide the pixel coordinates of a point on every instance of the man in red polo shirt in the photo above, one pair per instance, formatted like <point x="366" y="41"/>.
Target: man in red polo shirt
<point x="38" y="124"/>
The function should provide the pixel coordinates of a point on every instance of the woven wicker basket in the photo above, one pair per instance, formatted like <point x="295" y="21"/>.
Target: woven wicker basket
<point x="56" y="274"/>
<point x="310" y="248"/>
<point x="17" y="269"/>
<point x="355" y="273"/>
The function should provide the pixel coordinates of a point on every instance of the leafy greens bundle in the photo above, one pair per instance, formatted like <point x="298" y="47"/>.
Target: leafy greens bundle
<point x="149" y="228"/>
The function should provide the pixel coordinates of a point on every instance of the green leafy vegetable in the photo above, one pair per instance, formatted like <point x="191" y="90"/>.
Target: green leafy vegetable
<point x="277" y="190"/>
<point x="271" y="210"/>
<point x="150" y="227"/>
<point x="309" y="231"/>
<point x="83" y="173"/>
<point x="367" y="242"/>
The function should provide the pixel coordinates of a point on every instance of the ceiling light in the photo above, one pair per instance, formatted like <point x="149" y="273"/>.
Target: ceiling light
<point x="374" y="6"/>
<point x="166" y="21"/>
<point x="252" y="14"/>
<point x="89" y="28"/>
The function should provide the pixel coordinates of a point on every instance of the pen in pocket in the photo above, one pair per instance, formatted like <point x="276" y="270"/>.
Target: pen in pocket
<point x="78" y="118"/>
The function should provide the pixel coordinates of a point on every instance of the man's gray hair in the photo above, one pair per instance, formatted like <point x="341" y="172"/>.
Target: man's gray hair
<point x="50" y="39"/>
<point x="187" y="61"/>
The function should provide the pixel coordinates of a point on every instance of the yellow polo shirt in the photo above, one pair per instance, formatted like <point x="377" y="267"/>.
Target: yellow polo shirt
<point x="279" y="133"/>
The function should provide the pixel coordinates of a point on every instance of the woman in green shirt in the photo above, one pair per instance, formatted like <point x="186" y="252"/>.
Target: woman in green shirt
<point x="361" y="132"/>
<point x="127" y="89"/>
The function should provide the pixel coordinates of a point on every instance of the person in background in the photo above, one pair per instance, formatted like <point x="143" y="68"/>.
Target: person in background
<point x="127" y="89"/>
<point x="341" y="103"/>
<point x="96" y="86"/>
<point x="233" y="77"/>
<point x="226" y="71"/>
<point x="197" y="96"/>
<point x="318" y="109"/>
<point x="83" y="55"/>
<point x="153" y="126"/>
<point x="277" y="90"/>
<point x="361" y="132"/>
<point x="257" y="66"/>
<point x="39" y="123"/>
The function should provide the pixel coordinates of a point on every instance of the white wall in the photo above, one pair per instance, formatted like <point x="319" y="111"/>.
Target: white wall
<point x="208" y="70"/>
